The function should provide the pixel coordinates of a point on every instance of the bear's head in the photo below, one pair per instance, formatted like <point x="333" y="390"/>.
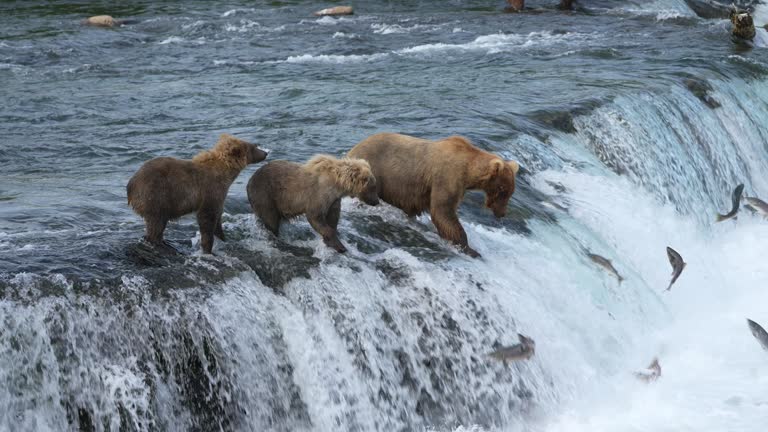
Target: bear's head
<point x="234" y="152"/>
<point x="356" y="176"/>
<point x="353" y="176"/>
<point x="499" y="185"/>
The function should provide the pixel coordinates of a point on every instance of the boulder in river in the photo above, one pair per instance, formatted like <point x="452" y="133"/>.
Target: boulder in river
<point x="565" y="4"/>
<point x="715" y="9"/>
<point x="701" y="89"/>
<point x="743" y="25"/>
<point x="334" y="11"/>
<point x="101" y="21"/>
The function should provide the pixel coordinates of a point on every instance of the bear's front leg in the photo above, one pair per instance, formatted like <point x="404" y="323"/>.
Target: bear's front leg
<point x="443" y="214"/>
<point x="206" y="220"/>
<point x="330" y="238"/>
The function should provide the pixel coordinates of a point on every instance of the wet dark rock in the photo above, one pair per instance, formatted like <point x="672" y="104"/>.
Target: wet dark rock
<point x="381" y="235"/>
<point x="559" y="120"/>
<point x="84" y="421"/>
<point x="715" y="9"/>
<point x="275" y="269"/>
<point x="701" y="89"/>
<point x="144" y="254"/>
<point x="397" y="273"/>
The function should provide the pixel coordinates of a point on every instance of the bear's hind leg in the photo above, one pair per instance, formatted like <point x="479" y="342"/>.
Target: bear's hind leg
<point x="334" y="213"/>
<point x="154" y="230"/>
<point x="206" y="220"/>
<point x="270" y="217"/>
<point x="219" y="230"/>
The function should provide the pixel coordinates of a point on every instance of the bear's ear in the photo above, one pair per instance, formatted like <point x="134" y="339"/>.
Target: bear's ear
<point x="236" y="152"/>
<point x="514" y="165"/>
<point x="497" y="166"/>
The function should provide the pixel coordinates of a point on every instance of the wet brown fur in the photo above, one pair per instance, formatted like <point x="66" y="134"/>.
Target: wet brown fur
<point x="165" y="188"/>
<point x="282" y="190"/>
<point x="418" y="175"/>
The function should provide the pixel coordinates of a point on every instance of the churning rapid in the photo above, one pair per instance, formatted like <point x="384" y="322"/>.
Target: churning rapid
<point x="633" y="122"/>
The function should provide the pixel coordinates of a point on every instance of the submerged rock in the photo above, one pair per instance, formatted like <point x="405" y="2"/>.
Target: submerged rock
<point x="701" y="89"/>
<point x="714" y="9"/>
<point x="708" y="8"/>
<point x="334" y="11"/>
<point x="565" y="4"/>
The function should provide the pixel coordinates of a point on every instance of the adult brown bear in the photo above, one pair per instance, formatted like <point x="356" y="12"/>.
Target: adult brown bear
<point x="417" y="175"/>
<point x="166" y="188"/>
<point x="282" y="190"/>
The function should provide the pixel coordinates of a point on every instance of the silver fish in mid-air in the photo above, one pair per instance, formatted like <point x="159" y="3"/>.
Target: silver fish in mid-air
<point x="758" y="205"/>
<point x="522" y="351"/>
<point x="759" y="333"/>
<point x="652" y="373"/>
<point x="677" y="265"/>
<point x="606" y="264"/>
<point x="735" y="199"/>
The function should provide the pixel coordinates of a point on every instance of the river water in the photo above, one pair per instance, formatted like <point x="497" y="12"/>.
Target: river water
<point x="633" y="120"/>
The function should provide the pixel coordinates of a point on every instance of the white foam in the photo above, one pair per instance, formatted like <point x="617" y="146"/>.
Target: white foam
<point x="496" y="43"/>
<point x="244" y="26"/>
<point x="326" y="20"/>
<point x="236" y="11"/>
<point x="172" y="39"/>
<point x="709" y="358"/>
<point x="197" y="23"/>
<point x="384" y="29"/>
<point x="342" y="35"/>
<point x="333" y="59"/>
<point x="669" y="14"/>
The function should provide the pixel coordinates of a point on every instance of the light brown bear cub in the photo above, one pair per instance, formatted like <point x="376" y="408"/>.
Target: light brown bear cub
<point x="166" y="188"/>
<point x="282" y="190"/>
<point x="417" y="175"/>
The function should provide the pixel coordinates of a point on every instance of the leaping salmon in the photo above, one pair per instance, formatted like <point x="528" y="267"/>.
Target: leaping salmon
<point x="677" y="265"/>
<point x="522" y="351"/>
<point x="735" y="199"/>
<point x="759" y="333"/>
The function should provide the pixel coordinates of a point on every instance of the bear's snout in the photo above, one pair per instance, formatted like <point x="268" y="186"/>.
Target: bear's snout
<point x="257" y="154"/>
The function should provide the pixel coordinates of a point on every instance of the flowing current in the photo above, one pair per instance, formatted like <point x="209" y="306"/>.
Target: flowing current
<point x="633" y="120"/>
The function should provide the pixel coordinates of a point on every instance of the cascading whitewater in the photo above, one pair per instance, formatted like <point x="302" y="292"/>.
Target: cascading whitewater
<point x="389" y="340"/>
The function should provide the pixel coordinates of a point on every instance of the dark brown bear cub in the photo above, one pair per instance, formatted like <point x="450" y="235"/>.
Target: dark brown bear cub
<point x="418" y="175"/>
<point x="282" y="190"/>
<point x="166" y="188"/>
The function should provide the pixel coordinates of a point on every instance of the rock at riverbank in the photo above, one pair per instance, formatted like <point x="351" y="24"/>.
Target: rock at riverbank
<point x="335" y="11"/>
<point x="743" y="25"/>
<point x="101" y="21"/>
